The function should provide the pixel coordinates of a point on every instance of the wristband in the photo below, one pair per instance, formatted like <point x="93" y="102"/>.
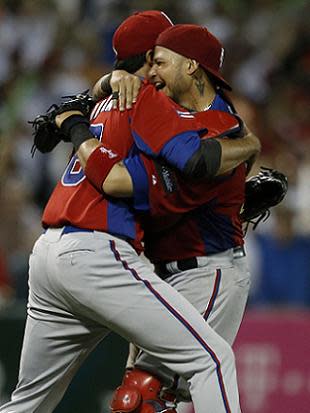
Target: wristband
<point x="206" y="161"/>
<point x="76" y="128"/>
<point x="99" y="164"/>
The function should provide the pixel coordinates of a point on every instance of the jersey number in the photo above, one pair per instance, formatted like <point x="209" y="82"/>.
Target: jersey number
<point x="74" y="173"/>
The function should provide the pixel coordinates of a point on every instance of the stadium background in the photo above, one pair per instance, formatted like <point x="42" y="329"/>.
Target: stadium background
<point x="53" y="47"/>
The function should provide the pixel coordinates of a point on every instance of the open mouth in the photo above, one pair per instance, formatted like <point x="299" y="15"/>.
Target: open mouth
<point x="159" y="85"/>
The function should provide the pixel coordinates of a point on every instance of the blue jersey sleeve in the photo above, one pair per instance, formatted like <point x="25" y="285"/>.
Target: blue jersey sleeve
<point x="163" y="129"/>
<point x="158" y="124"/>
<point x="177" y="151"/>
<point x="180" y="149"/>
<point x="136" y="170"/>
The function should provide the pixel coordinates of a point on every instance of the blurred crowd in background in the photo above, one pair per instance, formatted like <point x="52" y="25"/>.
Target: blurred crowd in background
<point x="53" y="48"/>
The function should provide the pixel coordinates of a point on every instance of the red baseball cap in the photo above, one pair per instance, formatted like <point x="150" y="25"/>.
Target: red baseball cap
<point x="138" y="33"/>
<point x="195" y="42"/>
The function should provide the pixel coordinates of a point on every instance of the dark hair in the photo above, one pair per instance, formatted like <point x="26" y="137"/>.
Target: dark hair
<point x="132" y="64"/>
<point x="226" y="98"/>
<point x="216" y="83"/>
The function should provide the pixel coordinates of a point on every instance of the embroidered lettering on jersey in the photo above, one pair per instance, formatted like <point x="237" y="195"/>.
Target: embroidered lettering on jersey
<point x="109" y="152"/>
<point x="166" y="176"/>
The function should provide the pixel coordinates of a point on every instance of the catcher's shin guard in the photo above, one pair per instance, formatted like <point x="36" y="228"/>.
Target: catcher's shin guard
<point x="140" y="392"/>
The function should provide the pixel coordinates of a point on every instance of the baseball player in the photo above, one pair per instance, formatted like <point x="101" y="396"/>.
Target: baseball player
<point x="237" y="205"/>
<point x="202" y="256"/>
<point x="87" y="279"/>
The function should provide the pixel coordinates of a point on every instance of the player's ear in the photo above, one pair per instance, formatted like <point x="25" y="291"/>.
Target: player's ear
<point x="149" y="57"/>
<point x="192" y="66"/>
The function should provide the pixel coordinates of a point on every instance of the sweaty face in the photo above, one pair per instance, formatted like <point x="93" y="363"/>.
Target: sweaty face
<point x="168" y="73"/>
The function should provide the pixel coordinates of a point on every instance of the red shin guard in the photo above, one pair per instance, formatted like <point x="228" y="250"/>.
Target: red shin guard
<point x="141" y="392"/>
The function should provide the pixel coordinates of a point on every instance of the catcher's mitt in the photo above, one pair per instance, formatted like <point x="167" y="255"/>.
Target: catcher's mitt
<point x="262" y="192"/>
<point x="46" y="134"/>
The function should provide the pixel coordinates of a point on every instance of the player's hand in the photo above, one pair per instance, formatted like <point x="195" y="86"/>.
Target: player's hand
<point x="59" y="119"/>
<point x="125" y="88"/>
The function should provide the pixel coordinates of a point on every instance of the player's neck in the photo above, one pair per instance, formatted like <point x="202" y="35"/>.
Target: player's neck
<point x="200" y="96"/>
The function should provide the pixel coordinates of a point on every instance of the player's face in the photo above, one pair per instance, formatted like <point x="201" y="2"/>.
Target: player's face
<point x="169" y="73"/>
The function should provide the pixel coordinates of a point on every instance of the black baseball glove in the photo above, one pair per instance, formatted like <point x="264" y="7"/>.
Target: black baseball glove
<point x="46" y="134"/>
<point x="263" y="191"/>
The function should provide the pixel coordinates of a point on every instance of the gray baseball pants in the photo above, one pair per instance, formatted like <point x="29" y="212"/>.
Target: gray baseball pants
<point x="219" y="290"/>
<point x="85" y="284"/>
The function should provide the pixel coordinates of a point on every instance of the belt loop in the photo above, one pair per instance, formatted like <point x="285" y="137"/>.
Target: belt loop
<point x="239" y="252"/>
<point x="53" y="234"/>
<point x="172" y="267"/>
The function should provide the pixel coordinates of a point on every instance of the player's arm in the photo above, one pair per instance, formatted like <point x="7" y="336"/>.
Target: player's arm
<point x="102" y="87"/>
<point x="212" y="157"/>
<point x="103" y="168"/>
<point x="101" y="165"/>
<point x="123" y="85"/>
<point x="118" y="182"/>
<point x="218" y="156"/>
<point x="130" y="177"/>
<point x="161" y="129"/>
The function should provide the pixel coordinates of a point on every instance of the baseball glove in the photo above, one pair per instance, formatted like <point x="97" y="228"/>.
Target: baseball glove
<point x="263" y="191"/>
<point x="45" y="132"/>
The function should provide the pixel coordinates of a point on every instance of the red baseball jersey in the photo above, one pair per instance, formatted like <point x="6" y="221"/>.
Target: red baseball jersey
<point x="161" y="128"/>
<point x="189" y="218"/>
<point x="76" y="202"/>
